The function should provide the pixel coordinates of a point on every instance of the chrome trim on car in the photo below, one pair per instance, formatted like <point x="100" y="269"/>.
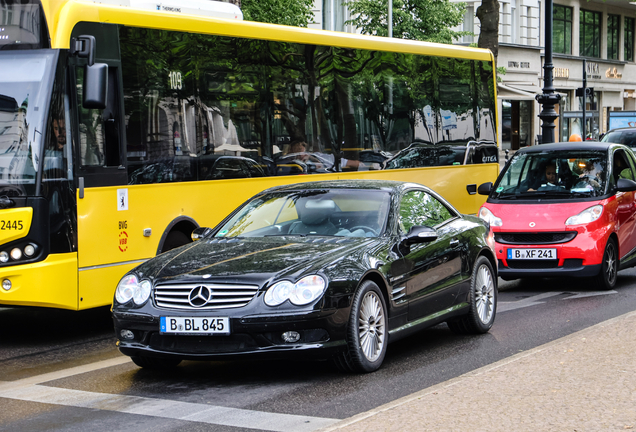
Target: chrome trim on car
<point x="218" y="296"/>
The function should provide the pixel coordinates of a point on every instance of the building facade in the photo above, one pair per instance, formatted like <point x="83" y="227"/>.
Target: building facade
<point x="601" y="32"/>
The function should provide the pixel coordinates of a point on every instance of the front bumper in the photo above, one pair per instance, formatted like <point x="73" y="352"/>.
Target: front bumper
<point x="322" y="334"/>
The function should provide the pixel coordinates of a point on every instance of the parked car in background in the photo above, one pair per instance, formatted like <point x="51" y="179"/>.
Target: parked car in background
<point x="565" y="209"/>
<point x="424" y="154"/>
<point x="625" y="136"/>
<point x="333" y="270"/>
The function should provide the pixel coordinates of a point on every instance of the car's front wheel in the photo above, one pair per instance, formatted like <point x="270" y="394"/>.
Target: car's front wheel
<point x="482" y="301"/>
<point x="367" y="331"/>
<point x="606" y="279"/>
<point x="155" y="362"/>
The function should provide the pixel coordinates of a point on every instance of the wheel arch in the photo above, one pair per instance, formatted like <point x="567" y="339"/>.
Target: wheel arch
<point x="379" y="280"/>
<point x="486" y="252"/>
<point x="184" y="224"/>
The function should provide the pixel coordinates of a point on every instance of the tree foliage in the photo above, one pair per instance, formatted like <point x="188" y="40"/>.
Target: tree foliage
<point x="425" y="20"/>
<point x="295" y="13"/>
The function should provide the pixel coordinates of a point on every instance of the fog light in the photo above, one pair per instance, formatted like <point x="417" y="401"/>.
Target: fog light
<point x="6" y="284"/>
<point x="291" y="336"/>
<point x="16" y="254"/>
<point x="127" y="334"/>
<point x="29" y="250"/>
<point x="4" y="257"/>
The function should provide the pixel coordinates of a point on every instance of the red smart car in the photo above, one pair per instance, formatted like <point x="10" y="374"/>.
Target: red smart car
<point x="565" y="209"/>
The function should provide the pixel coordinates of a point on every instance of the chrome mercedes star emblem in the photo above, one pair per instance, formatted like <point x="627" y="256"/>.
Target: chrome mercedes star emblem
<point x="199" y="296"/>
<point x="532" y="224"/>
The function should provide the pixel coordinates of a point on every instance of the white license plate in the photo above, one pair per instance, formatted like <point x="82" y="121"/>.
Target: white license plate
<point x="191" y="325"/>
<point x="532" y="254"/>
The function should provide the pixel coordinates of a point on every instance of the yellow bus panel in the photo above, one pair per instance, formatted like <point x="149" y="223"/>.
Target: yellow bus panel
<point x="15" y="223"/>
<point x="48" y="283"/>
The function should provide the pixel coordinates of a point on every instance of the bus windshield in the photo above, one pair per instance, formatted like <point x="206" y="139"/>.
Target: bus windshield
<point x="24" y="89"/>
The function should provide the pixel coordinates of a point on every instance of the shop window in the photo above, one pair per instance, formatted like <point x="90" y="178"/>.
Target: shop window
<point x="590" y="34"/>
<point x="562" y="29"/>
<point x="629" y="39"/>
<point x="613" y="25"/>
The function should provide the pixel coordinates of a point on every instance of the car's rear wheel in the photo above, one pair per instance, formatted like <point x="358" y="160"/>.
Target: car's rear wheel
<point x="482" y="301"/>
<point x="606" y="279"/>
<point x="155" y="362"/>
<point x="367" y="331"/>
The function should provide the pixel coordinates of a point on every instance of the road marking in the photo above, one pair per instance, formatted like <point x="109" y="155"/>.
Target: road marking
<point x="527" y="302"/>
<point x="534" y="300"/>
<point x="590" y="294"/>
<point x="30" y="389"/>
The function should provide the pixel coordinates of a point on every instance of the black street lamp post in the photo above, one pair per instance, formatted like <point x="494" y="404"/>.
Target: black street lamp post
<point x="549" y="98"/>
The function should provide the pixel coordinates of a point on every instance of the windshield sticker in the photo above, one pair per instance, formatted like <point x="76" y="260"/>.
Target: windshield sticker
<point x="499" y="189"/>
<point x="222" y="233"/>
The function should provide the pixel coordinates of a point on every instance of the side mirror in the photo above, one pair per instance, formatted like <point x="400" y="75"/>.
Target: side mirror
<point x="199" y="233"/>
<point x="95" y="86"/>
<point x="625" y="185"/>
<point x="95" y="74"/>
<point x="420" y="234"/>
<point x="484" y="188"/>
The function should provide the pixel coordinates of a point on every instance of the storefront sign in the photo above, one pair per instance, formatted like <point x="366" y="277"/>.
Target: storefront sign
<point x="593" y="70"/>
<point x="522" y="65"/>
<point x="613" y="73"/>
<point x="561" y="73"/>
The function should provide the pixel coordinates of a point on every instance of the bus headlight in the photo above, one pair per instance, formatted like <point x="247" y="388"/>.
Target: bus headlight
<point x="16" y="254"/>
<point x="129" y="288"/>
<point x="4" y="257"/>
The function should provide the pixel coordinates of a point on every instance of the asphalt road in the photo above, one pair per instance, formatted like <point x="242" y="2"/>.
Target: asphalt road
<point x="61" y="371"/>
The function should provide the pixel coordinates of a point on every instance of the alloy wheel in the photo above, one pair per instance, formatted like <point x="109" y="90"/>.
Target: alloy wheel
<point x="371" y="326"/>
<point x="484" y="294"/>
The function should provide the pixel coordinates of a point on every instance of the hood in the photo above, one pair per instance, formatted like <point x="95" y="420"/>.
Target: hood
<point x="545" y="217"/>
<point x="250" y="259"/>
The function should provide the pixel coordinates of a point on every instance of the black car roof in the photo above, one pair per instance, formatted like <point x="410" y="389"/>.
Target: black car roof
<point x="347" y="184"/>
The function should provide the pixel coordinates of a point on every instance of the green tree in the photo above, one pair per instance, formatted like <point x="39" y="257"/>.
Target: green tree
<point x="425" y="20"/>
<point x="295" y="13"/>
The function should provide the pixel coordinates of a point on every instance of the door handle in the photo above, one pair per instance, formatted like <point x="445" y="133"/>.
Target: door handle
<point x="454" y="243"/>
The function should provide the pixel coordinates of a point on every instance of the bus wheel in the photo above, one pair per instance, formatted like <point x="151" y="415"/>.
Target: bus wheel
<point x="174" y="240"/>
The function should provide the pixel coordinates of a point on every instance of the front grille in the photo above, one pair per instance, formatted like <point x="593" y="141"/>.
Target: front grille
<point x="532" y="264"/>
<point x="177" y="296"/>
<point x="526" y="238"/>
<point x="202" y="344"/>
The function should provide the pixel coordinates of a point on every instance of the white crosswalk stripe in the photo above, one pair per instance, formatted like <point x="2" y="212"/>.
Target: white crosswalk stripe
<point x="32" y="390"/>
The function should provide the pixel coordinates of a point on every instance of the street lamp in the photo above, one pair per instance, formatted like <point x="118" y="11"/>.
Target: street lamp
<point x="549" y="98"/>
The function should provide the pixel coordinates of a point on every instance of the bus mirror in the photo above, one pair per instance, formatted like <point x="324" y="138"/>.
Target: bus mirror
<point x="95" y="86"/>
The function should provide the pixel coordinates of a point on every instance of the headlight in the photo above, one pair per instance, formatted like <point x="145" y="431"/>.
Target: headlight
<point x="301" y="293"/>
<point x="586" y="216"/>
<point x="130" y="288"/>
<point x="490" y="218"/>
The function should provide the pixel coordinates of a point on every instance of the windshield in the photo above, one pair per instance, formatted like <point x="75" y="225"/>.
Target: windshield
<point x="627" y="137"/>
<point x="562" y="174"/>
<point x="25" y="85"/>
<point x="348" y="213"/>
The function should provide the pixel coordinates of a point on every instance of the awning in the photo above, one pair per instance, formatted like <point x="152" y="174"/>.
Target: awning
<point x="517" y="92"/>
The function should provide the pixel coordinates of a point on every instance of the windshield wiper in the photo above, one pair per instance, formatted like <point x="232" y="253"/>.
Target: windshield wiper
<point x="507" y="196"/>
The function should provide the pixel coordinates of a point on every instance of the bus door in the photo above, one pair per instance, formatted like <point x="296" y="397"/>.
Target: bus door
<point x="102" y="199"/>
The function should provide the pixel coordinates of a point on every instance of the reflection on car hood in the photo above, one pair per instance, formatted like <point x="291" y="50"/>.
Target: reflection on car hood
<point x="254" y="259"/>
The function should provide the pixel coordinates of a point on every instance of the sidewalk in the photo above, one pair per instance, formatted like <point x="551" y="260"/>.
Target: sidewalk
<point x="582" y="382"/>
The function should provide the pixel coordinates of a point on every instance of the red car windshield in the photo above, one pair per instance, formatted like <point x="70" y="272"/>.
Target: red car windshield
<point x="563" y="174"/>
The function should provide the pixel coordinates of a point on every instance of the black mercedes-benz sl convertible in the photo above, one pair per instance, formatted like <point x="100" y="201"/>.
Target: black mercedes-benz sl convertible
<point x="333" y="270"/>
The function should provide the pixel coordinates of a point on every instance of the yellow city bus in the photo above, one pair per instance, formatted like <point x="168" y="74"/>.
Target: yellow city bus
<point x="126" y="124"/>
